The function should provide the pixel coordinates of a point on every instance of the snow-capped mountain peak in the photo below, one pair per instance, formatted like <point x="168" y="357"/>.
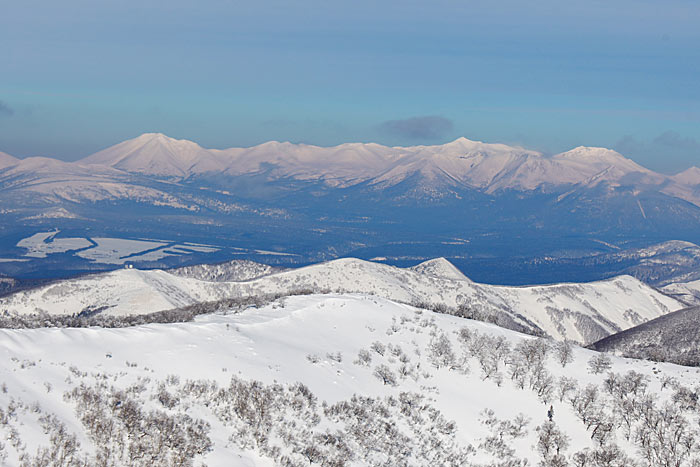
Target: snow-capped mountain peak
<point x="690" y="177"/>
<point x="157" y="154"/>
<point x="599" y="157"/>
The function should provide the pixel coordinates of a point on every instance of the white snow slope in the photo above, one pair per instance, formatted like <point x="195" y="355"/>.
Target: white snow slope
<point x="584" y="312"/>
<point x="122" y="392"/>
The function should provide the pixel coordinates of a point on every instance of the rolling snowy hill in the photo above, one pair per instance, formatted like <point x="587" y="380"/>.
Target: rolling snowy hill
<point x="334" y="380"/>
<point x="583" y="313"/>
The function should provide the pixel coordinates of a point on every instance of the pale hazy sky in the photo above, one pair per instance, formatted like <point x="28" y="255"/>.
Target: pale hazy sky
<point x="77" y="76"/>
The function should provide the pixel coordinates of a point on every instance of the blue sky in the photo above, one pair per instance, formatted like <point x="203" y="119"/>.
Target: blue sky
<point x="77" y="76"/>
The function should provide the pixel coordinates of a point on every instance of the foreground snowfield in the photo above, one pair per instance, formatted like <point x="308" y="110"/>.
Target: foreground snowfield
<point x="316" y="340"/>
<point x="584" y="312"/>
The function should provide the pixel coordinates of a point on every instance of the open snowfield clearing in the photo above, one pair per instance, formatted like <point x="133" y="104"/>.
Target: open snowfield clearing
<point x="117" y="250"/>
<point x="107" y="250"/>
<point x="42" y="244"/>
<point x="338" y="346"/>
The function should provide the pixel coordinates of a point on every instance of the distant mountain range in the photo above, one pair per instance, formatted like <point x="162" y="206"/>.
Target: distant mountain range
<point x="464" y="200"/>
<point x="461" y="164"/>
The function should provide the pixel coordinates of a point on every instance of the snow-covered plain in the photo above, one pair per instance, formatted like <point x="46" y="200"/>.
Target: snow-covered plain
<point x="338" y="346"/>
<point x="42" y="244"/>
<point x="584" y="312"/>
<point x="114" y="251"/>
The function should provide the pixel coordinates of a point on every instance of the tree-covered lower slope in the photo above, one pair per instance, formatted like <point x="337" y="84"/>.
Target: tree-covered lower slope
<point x="335" y="380"/>
<point x="674" y="338"/>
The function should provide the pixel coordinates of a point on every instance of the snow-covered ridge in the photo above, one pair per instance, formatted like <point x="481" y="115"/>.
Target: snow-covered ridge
<point x="235" y="270"/>
<point x="581" y="312"/>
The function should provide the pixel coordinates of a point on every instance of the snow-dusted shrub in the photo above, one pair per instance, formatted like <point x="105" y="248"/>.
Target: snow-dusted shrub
<point x="63" y="450"/>
<point x="551" y="445"/>
<point x="502" y="433"/>
<point x="313" y="358"/>
<point x="335" y="357"/>
<point x="378" y="347"/>
<point x="564" y="352"/>
<point x="599" y="363"/>
<point x="608" y="455"/>
<point x="440" y="351"/>
<point x="385" y="375"/>
<point x="364" y="358"/>
<point x="565" y="387"/>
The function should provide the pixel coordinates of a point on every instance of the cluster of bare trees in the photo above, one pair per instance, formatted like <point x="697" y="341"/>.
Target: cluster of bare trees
<point x="124" y="432"/>
<point x="285" y="423"/>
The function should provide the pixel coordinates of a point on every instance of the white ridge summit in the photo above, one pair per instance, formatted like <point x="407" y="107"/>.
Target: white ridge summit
<point x="440" y="267"/>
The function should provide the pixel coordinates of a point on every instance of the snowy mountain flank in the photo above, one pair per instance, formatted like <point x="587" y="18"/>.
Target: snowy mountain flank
<point x="342" y="380"/>
<point x="583" y="312"/>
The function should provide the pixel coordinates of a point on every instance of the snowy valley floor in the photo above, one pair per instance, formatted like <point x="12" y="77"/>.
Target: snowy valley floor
<point x="334" y="380"/>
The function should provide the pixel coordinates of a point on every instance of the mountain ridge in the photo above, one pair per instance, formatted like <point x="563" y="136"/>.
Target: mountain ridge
<point x="584" y="312"/>
<point x="487" y="167"/>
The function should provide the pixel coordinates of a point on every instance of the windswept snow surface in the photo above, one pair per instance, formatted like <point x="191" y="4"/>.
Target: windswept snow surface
<point x="582" y="312"/>
<point x="315" y="340"/>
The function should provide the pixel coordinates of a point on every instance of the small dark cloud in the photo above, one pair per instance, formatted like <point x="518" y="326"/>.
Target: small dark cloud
<point x="426" y="127"/>
<point x="6" y="110"/>
<point x="669" y="152"/>
<point x="671" y="139"/>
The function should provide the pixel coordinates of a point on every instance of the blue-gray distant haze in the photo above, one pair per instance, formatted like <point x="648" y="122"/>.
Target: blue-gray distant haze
<point x="78" y="75"/>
